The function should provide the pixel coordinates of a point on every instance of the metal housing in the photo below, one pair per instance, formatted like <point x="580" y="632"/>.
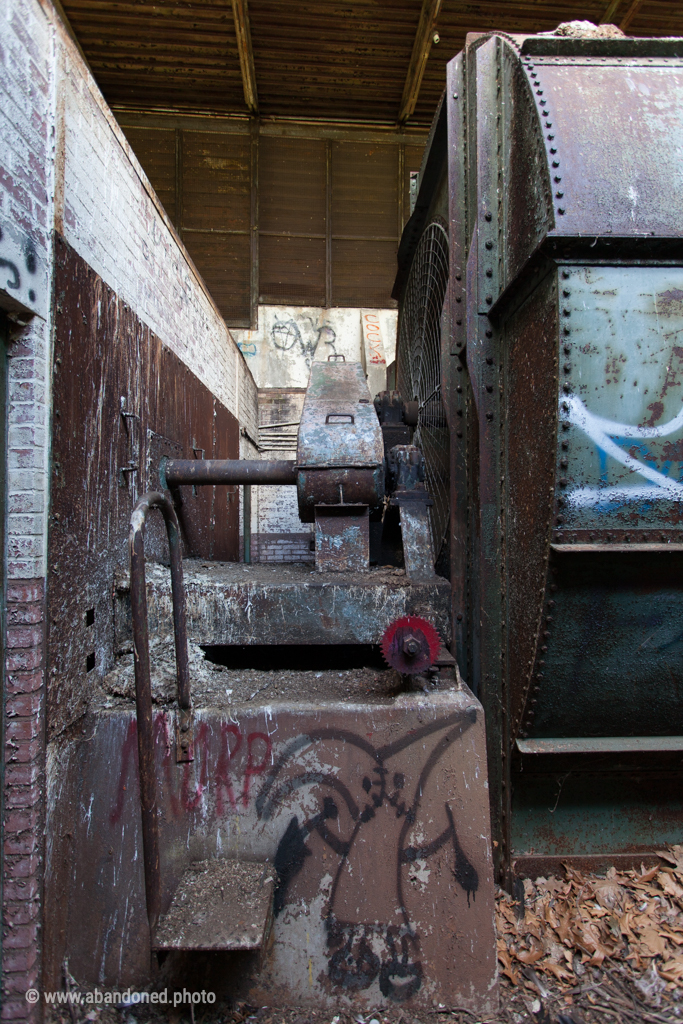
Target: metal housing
<point x="563" y="381"/>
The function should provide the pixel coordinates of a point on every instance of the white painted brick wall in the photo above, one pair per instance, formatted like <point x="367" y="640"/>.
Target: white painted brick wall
<point x="65" y="163"/>
<point x="27" y="104"/>
<point x="111" y="216"/>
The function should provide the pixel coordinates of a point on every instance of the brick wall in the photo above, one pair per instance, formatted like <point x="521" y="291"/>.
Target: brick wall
<point x="24" y="789"/>
<point x="27" y="104"/>
<point x="282" y="547"/>
<point x="66" y="166"/>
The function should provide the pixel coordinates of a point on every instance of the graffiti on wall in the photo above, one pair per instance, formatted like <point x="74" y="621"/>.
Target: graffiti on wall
<point x="383" y="945"/>
<point x="332" y="821"/>
<point x="604" y="434"/>
<point x="303" y="337"/>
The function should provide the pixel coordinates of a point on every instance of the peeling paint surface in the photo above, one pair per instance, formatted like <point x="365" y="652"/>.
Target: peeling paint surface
<point x="374" y="816"/>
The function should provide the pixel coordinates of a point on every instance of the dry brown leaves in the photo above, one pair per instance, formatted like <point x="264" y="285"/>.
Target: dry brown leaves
<point x="569" y="925"/>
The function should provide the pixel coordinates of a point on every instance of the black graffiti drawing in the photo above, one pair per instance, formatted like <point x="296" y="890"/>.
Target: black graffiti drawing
<point x="13" y="268"/>
<point x="353" y="960"/>
<point x="287" y="334"/>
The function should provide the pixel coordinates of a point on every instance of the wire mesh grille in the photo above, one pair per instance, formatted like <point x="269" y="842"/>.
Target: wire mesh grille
<point x="419" y="368"/>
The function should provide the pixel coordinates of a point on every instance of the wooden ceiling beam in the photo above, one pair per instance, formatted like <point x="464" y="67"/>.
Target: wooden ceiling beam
<point x="418" y="61"/>
<point x="630" y="14"/>
<point x="246" y="54"/>
<point x="610" y="12"/>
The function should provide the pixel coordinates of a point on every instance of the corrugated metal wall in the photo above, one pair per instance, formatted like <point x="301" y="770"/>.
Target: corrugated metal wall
<point x="282" y="219"/>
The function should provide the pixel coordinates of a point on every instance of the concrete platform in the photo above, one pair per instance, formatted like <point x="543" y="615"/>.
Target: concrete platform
<point x="374" y="816"/>
<point x="232" y="603"/>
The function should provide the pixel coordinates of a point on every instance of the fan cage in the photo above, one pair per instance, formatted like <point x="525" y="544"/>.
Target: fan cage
<point x="419" y="370"/>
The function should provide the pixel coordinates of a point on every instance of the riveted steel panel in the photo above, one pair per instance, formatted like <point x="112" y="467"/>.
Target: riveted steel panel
<point x="620" y="462"/>
<point x="618" y="135"/>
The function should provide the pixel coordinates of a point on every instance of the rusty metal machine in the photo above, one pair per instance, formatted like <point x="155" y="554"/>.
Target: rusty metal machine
<point x="543" y="262"/>
<point x="332" y="785"/>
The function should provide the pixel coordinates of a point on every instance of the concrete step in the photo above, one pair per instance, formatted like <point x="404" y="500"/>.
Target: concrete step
<point x="219" y="904"/>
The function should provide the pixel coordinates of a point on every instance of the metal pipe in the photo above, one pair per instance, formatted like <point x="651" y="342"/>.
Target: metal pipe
<point x="143" y="684"/>
<point x="247" y="523"/>
<point x="227" y="471"/>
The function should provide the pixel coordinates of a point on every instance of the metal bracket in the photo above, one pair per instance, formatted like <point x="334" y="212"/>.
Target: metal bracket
<point x="184" y="737"/>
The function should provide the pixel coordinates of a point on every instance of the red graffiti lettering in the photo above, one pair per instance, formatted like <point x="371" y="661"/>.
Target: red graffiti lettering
<point x="255" y="769"/>
<point x="223" y="781"/>
<point x="129" y="745"/>
<point x="201" y="748"/>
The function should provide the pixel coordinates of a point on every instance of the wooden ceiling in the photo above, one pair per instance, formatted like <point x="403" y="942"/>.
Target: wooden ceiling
<point x="326" y="59"/>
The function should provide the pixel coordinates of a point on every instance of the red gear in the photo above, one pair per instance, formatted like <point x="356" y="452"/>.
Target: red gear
<point x="410" y="632"/>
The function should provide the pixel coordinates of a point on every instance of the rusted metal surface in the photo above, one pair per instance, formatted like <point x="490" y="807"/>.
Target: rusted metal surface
<point x="629" y="189"/>
<point x="418" y="554"/>
<point x="293" y="604"/>
<point x="599" y="744"/>
<point x="103" y="353"/>
<point x="219" y="904"/>
<point x="339" y="446"/>
<point x="318" y="62"/>
<point x="568" y="470"/>
<point x="374" y="817"/>
<point x="342" y="538"/>
<point x="228" y="471"/>
<point x="100" y="344"/>
<point x="143" y="687"/>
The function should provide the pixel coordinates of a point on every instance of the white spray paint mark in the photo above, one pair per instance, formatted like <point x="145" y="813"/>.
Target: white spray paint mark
<point x="599" y="429"/>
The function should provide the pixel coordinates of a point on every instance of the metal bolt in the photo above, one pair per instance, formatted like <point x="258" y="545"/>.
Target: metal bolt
<point x="489" y="415"/>
<point x="553" y="149"/>
<point x="567" y="349"/>
<point x="548" y="124"/>
<point x="558" y="195"/>
<point x="459" y="389"/>
<point x="565" y="426"/>
<point x="489" y="244"/>
<point x="563" y="481"/>
<point x="566" y="387"/>
<point x="489" y="388"/>
<point x="487" y="216"/>
<point x="564" y="463"/>
<point x="567" y="368"/>
<point x="459" y="616"/>
<point x="566" y="312"/>
<point x="489" y="273"/>
<point x="557" y="178"/>
<point x="489" y="334"/>
<point x="566" y="329"/>
<point x="455" y="95"/>
<point x="411" y="646"/>
<point x="489" y="360"/>
<point x="489" y="300"/>
<point x="560" y="210"/>
<point x="184" y="743"/>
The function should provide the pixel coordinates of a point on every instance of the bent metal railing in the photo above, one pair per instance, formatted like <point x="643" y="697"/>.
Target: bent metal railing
<point x="173" y="474"/>
<point x="143" y="684"/>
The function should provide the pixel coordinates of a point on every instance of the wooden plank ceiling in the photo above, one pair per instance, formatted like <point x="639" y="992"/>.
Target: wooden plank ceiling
<point x="327" y="59"/>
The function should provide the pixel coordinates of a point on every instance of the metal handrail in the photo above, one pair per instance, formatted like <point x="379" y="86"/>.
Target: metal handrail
<point x="143" y="684"/>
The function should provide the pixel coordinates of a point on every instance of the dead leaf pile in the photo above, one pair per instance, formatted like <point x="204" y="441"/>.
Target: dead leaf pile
<point x="627" y="918"/>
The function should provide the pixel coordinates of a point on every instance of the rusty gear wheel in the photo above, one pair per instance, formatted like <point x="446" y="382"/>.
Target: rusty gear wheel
<point x="410" y="645"/>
